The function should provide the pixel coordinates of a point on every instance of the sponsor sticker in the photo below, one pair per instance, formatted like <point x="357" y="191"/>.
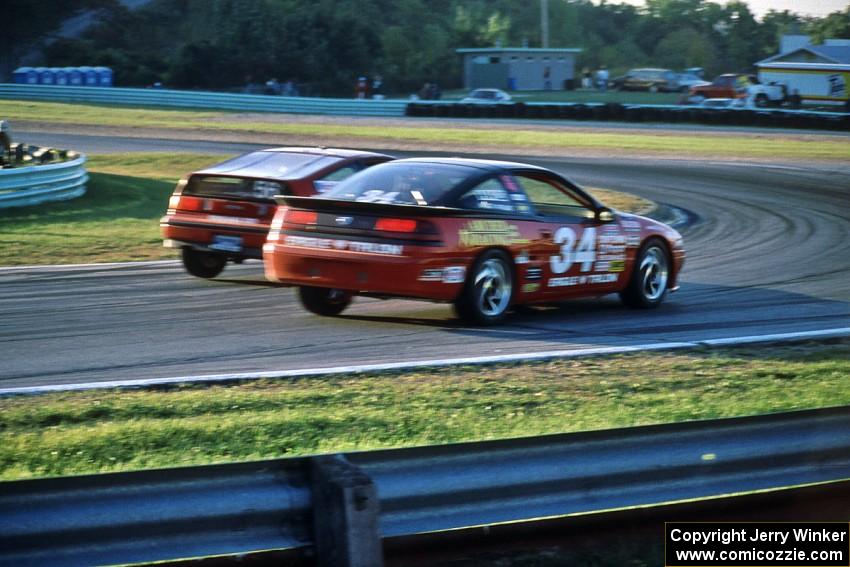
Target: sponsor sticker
<point x="454" y="274"/>
<point x="353" y="246"/>
<point x="530" y="287"/>
<point x="489" y="233"/>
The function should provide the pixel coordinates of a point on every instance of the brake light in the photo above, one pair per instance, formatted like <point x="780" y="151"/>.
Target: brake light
<point x="301" y="217"/>
<point x="396" y="225"/>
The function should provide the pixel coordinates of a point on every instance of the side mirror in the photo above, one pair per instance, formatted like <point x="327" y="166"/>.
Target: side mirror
<point x="604" y="215"/>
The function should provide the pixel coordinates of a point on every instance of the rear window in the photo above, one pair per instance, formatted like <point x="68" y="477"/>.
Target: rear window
<point x="402" y="183"/>
<point x="277" y="163"/>
<point x="232" y="187"/>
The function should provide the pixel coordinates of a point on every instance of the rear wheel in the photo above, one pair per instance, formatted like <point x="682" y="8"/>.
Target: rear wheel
<point x="324" y="301"/>
<point x="487" y="291"/>
<point x="203" y="264"/>
<point x="761" y="100"/>
<point x="648" y="285"/>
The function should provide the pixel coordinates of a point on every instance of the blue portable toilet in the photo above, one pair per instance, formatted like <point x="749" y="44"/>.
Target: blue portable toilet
<point x="104" y="76"/>
<point x="75" y="78"/>
<point x="89" y="76"/>
<point x="45" y="76"/>
<point x="60" y="75"/>
<point x="25" y="76"/>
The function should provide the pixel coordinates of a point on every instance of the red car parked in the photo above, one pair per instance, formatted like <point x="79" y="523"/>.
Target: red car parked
<point x="481" y="234"/>
<point x="223" y="212"/>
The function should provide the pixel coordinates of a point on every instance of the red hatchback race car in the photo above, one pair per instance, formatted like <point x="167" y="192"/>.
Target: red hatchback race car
<point x="481" y="234"/>
<point x="223" y="212"/>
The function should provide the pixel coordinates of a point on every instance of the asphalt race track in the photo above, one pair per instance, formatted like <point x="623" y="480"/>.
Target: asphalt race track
<point x="768" y="252"/>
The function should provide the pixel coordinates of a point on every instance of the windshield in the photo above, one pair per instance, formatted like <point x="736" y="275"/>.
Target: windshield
<point x="409" y="183"/>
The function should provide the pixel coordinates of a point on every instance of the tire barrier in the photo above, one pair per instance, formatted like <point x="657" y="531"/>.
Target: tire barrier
<point x="37" y="175"/>
<point x="602" y="112"/>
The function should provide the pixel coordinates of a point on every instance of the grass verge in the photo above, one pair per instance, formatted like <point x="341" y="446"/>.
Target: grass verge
<point x="70" y="433"/>
<point x="688" y="144"/>
<point x="117" y="220"/>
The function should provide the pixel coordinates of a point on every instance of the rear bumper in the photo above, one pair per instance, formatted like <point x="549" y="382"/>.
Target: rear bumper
<point x="201" y="236"/>
<point x="412" y="271"/>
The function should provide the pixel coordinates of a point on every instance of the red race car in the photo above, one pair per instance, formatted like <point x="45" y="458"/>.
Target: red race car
<point x="481" y="234"/>
<point x="223" y="212"/>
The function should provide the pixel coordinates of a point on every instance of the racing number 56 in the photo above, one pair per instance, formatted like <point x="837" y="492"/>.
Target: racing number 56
<point x="585" y="253"/>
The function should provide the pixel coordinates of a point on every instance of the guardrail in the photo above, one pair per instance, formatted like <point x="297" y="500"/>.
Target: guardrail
<point x="768" y="117"/>
<point x="344" y="505"/>
<point x="34" y="184"/>
<point x="207" y="100"/>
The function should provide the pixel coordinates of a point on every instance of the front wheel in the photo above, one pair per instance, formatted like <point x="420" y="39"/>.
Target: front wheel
<point x="487" y="291"/>
<point x="648" y="285"/>
<point x="203" y="264"/>
<point x="324" y="301"/>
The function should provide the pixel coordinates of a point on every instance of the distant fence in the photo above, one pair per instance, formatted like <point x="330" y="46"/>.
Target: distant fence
<point x="34" y="184"/>
<point x="199" y="99"/>
<point x="769" y="117"/>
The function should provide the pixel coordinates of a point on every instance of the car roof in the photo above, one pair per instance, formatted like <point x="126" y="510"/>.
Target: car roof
<point x="325" y="151"/>
<point x="261" y="163"/>
<point x="484" y="164"/>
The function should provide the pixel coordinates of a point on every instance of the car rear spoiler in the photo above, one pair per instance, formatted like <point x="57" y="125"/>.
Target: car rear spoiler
<point x="324" y="205"/>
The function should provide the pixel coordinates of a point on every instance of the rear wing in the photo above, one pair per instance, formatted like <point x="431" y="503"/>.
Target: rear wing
<point x="324" y="205"/>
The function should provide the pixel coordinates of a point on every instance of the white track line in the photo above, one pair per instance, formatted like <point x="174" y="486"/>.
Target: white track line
<point x="523" y="357"/>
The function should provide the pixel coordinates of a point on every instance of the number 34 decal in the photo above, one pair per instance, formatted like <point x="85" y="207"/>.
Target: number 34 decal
<point x="584" y="253"/>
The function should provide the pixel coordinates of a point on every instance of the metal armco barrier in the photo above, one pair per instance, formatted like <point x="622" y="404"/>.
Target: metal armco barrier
<point x="208" y="100"/>
<point x="34" y="184"/>
<point x="774" y="117"/>
<point x="240" y="508"/>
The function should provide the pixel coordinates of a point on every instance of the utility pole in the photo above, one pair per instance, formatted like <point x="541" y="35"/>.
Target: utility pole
<point x="544" y="23"/>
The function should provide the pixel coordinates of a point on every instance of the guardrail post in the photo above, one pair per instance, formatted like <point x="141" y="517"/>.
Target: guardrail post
<point x="345" y="514"/>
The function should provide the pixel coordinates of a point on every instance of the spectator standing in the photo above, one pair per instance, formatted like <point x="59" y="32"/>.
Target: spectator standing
<point x="361" y="88"/>
<point x="378" y="87"/>
<point x="602" y="79"/>
<point x="586" y="79"/>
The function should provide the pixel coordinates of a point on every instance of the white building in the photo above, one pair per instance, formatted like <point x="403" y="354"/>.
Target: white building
<point x="820" y="74"/>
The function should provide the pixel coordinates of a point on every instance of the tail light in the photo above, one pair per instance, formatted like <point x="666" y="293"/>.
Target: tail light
<point x="396" y="225"/>
<point x="295" y="216"/>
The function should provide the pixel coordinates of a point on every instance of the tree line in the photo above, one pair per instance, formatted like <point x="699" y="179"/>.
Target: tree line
<point x="324" y="45"/>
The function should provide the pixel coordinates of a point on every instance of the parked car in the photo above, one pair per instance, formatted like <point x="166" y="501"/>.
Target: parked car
<point x="725" y="103"/>
<point x="733" y="85"/>
<point x="728" y="85"/>
<point x="689" y="80"/>
<point x="222" y="213"/>
<point x="481" y="234"/>
<point x="652" y="80"/>
<point x="486" y="96"/>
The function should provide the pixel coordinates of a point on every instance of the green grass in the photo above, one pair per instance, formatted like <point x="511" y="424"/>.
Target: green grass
<point x="116" y="220"/>
<point x="423" y="135"/>
<point x="66" y="433"/>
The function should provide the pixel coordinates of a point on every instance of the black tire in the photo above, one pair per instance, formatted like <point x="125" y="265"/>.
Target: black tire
<point x="761" y="100"/>
<point x="324" y="301"/>
<point x="650" y="279"/>
<point x="203" y="264"/>
<point x="488" y="290"/>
